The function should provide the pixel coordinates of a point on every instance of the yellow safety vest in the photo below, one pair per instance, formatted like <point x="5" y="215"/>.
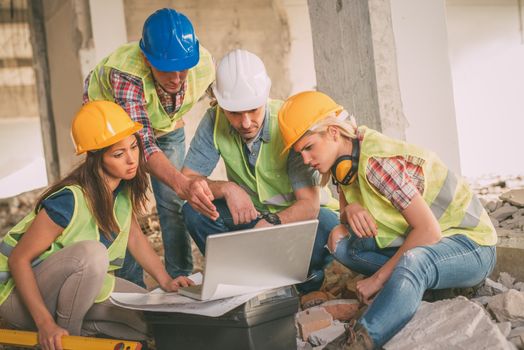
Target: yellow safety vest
<point x="129" y="59"/>
<point x="270" y="188"/>
<point x="82" y="227"/>
<point x="449" y="197"/>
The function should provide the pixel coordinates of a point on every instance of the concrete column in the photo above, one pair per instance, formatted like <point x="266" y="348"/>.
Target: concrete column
<point x="355" y="60"/>
<point x="68" y="34"/>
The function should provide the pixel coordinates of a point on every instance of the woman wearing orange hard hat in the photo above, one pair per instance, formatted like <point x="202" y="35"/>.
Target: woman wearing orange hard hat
<point x="407" y="222"/>
<point x="57" y="264"/>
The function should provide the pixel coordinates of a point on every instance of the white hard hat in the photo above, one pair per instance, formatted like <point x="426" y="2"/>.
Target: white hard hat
<point x="241" y="82"/>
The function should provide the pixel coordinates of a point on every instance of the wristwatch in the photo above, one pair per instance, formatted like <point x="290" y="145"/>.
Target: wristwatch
<point x="272" y="218"/>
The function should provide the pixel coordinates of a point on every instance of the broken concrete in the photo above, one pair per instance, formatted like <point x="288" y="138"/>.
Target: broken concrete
<point x="508" y="306"/>
<point x="514" y="197"/>
<point x="312" y="320"/>
<point x="326" y="335"/>
<point x="504" y="212"/>
<point x="491" y="287"/>
<point x="433" y="328"/>
<point x="505" y="328"/>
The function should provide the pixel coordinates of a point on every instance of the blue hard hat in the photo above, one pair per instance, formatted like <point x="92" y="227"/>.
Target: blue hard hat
<point x="169" y="41"/>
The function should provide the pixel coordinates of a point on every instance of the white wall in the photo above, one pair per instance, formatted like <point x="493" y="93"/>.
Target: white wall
<point x="487" y="60"/>
<point x="425" y="77"/>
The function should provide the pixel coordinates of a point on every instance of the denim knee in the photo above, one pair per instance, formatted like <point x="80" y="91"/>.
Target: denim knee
<point x="414" y="266"/>
<point x="189" y="215"/>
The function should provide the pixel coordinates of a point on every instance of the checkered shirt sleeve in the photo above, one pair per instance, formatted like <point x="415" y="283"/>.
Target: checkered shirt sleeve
<point x="398" y="179"/>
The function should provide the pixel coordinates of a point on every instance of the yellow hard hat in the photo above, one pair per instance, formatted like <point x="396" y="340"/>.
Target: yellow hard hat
<point x="100" y="124"/>
<point x="301" y="111"/>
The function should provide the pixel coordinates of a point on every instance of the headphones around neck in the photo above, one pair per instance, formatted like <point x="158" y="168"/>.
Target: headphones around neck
<point x="345" y="169"/>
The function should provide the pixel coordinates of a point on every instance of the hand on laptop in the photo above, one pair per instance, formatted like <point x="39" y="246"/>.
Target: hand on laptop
<point x="173" y="284"/>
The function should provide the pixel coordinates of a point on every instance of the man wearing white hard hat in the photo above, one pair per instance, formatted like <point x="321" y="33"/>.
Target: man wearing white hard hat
<point x="265" y="186"/>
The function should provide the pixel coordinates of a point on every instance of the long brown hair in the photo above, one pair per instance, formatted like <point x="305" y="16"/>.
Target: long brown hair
<point x="99" y="197"/>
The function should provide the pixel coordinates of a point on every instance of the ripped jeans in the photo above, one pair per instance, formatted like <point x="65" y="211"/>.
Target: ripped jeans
<point x="455" y="261"/>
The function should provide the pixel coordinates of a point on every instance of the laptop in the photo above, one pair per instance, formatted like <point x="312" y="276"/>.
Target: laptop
<point x="246" y="261"/>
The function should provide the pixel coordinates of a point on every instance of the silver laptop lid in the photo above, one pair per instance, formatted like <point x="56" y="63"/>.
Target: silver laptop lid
<point x="268" y="257"/>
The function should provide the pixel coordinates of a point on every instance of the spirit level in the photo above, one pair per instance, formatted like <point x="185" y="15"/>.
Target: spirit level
<point x="30" y="340"/>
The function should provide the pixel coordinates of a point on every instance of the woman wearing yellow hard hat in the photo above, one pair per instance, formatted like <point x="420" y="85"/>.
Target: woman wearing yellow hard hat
<point x="57" y="264"/>
<point x="407" y="222"/>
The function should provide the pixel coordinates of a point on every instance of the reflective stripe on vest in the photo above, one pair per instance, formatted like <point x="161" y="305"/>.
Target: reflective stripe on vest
<point x="449" y="198"/>
<point x="129" y="59"/>
<point x="81" y="227"/>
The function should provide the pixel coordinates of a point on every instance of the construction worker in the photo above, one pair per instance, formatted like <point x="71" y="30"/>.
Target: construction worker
<point x="407" y="222"/>
<point x="55" y="263"/>
<point x="264" y="187"/>
<point x="157" y="81"/>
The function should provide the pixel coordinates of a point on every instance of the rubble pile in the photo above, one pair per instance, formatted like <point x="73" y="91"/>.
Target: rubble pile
<point x="13" y="209"/>
<point x="503" y="198"/>
<point x="492" y="319"/>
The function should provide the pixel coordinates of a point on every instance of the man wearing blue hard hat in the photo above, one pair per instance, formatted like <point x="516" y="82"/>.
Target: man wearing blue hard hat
<point x="157" y="81"/>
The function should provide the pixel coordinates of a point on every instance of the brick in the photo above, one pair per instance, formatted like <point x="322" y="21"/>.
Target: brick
<point x="312" y="320"/>
<point x="313" y="299"/>
<point x="342" y="309"/>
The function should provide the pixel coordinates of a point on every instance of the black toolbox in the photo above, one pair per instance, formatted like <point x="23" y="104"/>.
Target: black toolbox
<point x="266" y="321"/>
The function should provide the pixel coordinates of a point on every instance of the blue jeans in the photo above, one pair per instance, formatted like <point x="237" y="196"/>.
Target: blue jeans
<point x="201" y="226"/>
<point x="131" y="271"/>
<point x="177" y="245"/>
<point x="455" y="261"/>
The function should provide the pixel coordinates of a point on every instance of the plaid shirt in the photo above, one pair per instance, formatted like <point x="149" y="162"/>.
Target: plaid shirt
<point x="398" y="178"/>
<point x="128" y="92"/>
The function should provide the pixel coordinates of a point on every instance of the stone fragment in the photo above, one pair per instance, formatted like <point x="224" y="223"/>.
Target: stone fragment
<point x="519" y="286"/>
<point x="336" y="276"/>
<point x="312" y="320"/>
<point x="351" y="287"/>
<point x="515" y="197"/>
<point x="516" y="332"/>
<point x="518" y="342"/>
<point x="433" y="328"/>
<point x="491" y="206"/>
<point x="483" y="301"/>
<point x="505" y="328"/>
<point x="313" y="299"/>
<point x="342" y="309"/>
<point x="490" y="288"/>
<point x="303" y="345"/>
<point x="504" y="212"/>
<point x="508" y="306"/>
<point x="506" y="280"/>
<point x="325" y="335"/>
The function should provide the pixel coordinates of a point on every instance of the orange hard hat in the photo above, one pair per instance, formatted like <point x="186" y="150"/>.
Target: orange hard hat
<point x="301" y="111"/>
<point x="99" y="124"/>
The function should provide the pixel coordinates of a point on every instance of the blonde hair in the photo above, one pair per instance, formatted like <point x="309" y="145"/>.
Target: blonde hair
<point x="347" y="125"/>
